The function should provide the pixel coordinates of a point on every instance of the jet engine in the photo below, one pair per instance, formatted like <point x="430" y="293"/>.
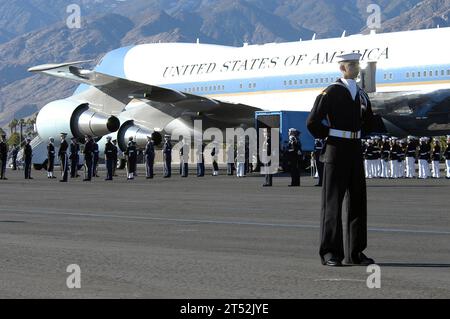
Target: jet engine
<point x="75" y="119"/>
<point x="139" y="134"/>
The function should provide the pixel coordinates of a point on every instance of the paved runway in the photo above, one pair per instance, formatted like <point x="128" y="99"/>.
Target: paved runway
<point x="213" y="237"/>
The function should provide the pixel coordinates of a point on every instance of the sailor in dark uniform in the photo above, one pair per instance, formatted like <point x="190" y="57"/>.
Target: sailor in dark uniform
<point x="88" y="158"/>
<point x="51" y="153"/>
<point x="116" y="156"/>
<point x="215" y="158"/>
<point x="3" y="157"/>
<point x="318" y="147"/>
<point x="131" y="154"/>
<point x="74" y="157"/>
<point x="294" y="152"/>
<point x="348" y="111"/>
<point x="110" y="149"/>
<point x="266" y="154"/>
<point x="62" y="154"/>
<point x="149" y="157"/>
<point x="436" y="158"/>
<point x="14" y="153"/>
<point x="167" y="156"/>
<point x="447" y="157"/>
<point x="96" y="153"/>
<point x="28" y="156"/>
<point x="200" y="159"/>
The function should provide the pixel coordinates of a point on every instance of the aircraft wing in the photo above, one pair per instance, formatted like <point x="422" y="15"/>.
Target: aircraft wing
<point x="121" y="89"/>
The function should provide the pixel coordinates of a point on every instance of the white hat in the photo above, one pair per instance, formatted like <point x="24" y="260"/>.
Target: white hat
<point x="348" y="57"/>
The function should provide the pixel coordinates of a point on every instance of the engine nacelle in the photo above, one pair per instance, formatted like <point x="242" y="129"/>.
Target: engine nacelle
<point x="139" y="134"/>
<point x="75" y="119"/>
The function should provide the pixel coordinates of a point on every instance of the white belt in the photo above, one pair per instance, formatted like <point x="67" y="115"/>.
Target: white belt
<point x="344" y="134"/>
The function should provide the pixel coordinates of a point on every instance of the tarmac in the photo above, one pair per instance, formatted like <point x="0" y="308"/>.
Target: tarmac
<point x="213" y="237"/>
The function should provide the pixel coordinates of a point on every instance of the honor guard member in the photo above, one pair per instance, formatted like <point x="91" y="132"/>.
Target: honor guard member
<point x="447" y="157"/>
<point x="215" y="157"/>
<point x="401" y="159"/>
<point x="116" y="155"/>
<point x="88" y="158"/>
<point x="131" y="154"/>
<point x="14" y="153"/>
<point x="385" y="151"/>
<point x="266" y="154"/>
<point x="369" y="158"/>
<point x="109" y="158"/>
<point x="184" y="159"/>
<point x="167" y="156"/>
<point x="318" y="147"/>
<point x="3" y="157"/>
<point x="230" y="158"/>
<point x="74" y="157"/>
<point x="424" y="157"/>
<point x="348" y="111"/>
<point x="62" y="154"/>
<point x="240" y="158"/>
<point x="293" y="157"/>
<point x="149" y="157"/>
<point x="200" y="159"/>
<point x="411" y="148"/>
<point x="394" y="157"/>
<point x="28" y="156"/>
<point x="51" y="153"/>
<point x="436" y="158"/>
<point x="377" y="156"/>
<point x="96" y="153"/>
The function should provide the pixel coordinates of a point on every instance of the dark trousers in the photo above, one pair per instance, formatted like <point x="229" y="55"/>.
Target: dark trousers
<point x="64" y="166"/>
<point x="200" y="169"/>
<point x="320" y="166"/>
<point x="74" y="167"/>
<point x="149" y="164"/>
<point x="340" y="179"/>
<point x="3" y="167"/>
<point x="27" y="168"/>
<point x="95" y="165"/>
<point x="184" y="169"/>
<point x="14" y="163"/>
<point x="167" y="167"/>
<point x="295" y="174"/>
<point x="89" y="165"/>
<point x="114" y="166"/>
<point x="268" y="179"/>
<point x="109" y="169"/>
<point x="51" y="164"/>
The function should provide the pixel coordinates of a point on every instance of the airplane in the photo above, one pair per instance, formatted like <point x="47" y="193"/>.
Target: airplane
<point x="156" y="88"/>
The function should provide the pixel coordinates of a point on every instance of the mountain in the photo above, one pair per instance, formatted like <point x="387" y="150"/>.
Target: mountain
<point x="34" y="32"/>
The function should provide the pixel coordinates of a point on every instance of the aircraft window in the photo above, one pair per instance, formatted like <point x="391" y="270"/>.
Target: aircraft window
<point x="407" y="75"/>
<point x="306" y="81"/>
<point x="413" y="74"/>
<point x="425" y="74"/>
<point x="210" y="88"/>
<point x="254" y="85"/>
<point x="241" y="86"/>
<point x="295" y="82"/>
<point x="321" y="80"/>
<point x="448" y="72"/>
<point x="290" y="82"/>
<point x="442" y="72"/>
<point x="223" y="87"/>
<point x="317" y="80"/>
<point x="436" y="73"/>
<point x="285" y="83"/>
<point x="391" y="76"/>
<point x="215" y="88"/>
<point x="312" y="81"/>
<point x="385" y="76"/>
<point x="301" y="82"/>
<point x="418" y="74"/>
<point x="431" y="73"/>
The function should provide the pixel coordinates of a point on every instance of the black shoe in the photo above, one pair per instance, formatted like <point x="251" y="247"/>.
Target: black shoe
<point x="362" y="260"/>
<point x="318" y="185"/>
<point x="4" y="178"/>
<point x="62" y="181"/>
<point x="333" y="262"/>
<point x="86" y="180"/>
<point x="267" y="185"/>
<point x="293" y="185"/>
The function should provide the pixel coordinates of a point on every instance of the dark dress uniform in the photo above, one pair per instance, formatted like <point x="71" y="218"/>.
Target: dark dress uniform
<point x="74" y="159"/>
<point x="167" y="156"/>
<point x="28" y="156"/>
<point x="343" y="170"/>
<point x="3" y="159"/>
<point x="318" y="147"/>
<point x="149" y="158"/>
<point x="110" y="149"/>
<point x="14" y="153"/>
<point x="88" y="158"/>
<point x="184" y="162"/>
<point x="294" y="151"/>
<point x="201" y="161"/>
<point x="115" y="154"/>
<point x="62" y="154"/>
<point x="51" y="153"/>
<point x="131" y="153"/>
<point x="95" y="158"/>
